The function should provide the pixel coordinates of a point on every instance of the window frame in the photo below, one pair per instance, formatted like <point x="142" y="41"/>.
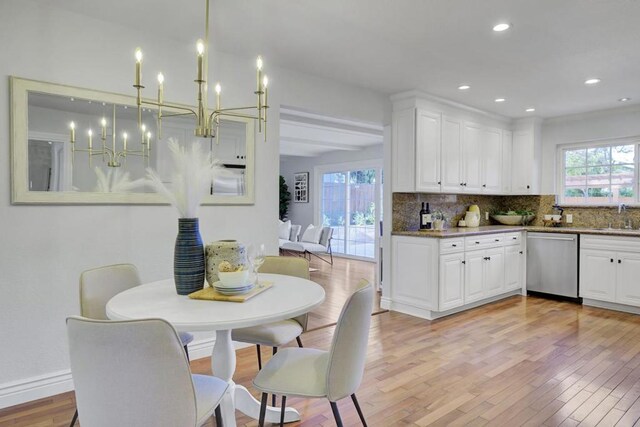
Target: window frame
<point x="561" y="149"/>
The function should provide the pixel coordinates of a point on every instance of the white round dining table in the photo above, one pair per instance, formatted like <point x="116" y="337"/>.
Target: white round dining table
<point x="288" y="297"/>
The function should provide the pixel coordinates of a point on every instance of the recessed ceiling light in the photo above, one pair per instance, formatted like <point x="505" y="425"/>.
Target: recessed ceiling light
<point x="501" y="27"/>
<point x="624" y="99"/>
<point x="592" y="81"/>
<point x="464" y="87"/>
<point x="500" y="99"/>
<point x="72" y="99"/>
<point x="530" y="110"/>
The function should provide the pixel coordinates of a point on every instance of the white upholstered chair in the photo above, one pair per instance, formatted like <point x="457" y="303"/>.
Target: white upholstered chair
<point x="277" y="334"/>
<point x="334" y="374"/>
<point x="318" y="249"/>
<point x="99" y="285"/>
<point x="135" y="373"/>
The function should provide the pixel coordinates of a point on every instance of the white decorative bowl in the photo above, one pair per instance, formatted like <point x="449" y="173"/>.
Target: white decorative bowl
<point x="233" y="279"/>
<point x="513" y="219"/>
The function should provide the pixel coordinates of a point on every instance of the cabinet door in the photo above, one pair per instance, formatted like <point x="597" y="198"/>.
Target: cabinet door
<point x="522" y="163"/>
<point x="492" y="161"/>
<point x="427" y="151"/>
<point x="507" y="145"/>
<point x="513" y="260"/>
<point x="494" y="272"/>
<point x="473" y="276"/>
<point x="414" y="271"/>
<point x="598" y="274"/>
<point x="403" y="151"/>
<point x="451" y="293"/>
<point x="451" y="155"/>
<point x="472" y="157"/>
<point x="627" y="289"/>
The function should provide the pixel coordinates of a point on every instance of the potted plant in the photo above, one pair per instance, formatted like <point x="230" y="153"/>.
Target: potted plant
<point x="285" y="197"/>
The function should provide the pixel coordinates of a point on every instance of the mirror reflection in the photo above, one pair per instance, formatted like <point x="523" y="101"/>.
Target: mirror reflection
<point x="87" y="145"/>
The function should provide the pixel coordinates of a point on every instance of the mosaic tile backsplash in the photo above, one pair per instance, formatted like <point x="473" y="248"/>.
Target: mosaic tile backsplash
<point x="406" y="208"/>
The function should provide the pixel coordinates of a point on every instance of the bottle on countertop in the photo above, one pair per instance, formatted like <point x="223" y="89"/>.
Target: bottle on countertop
<point x="426" y="222"/>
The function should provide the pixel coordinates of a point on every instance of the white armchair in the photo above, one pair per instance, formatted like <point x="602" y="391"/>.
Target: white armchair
<point x="307" y="248"/>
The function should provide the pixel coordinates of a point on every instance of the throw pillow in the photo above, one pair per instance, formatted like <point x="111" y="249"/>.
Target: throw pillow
<point x="284" y="229"/>
<point x="312" y="234"/>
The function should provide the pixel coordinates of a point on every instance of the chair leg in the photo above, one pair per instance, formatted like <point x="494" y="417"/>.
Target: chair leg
<point x="284" y="404"/>
<point x="218" y="416"/>
<point x="263" y="409"/>
<point x="259" y="357"/>
<point x="299" y="341"/>
<point x="336" y="414"/>
<point x="74" y="419"/>
<point x="357" y="405"/>
<point x="273" y="396"/>
<point x="186" y="350"/>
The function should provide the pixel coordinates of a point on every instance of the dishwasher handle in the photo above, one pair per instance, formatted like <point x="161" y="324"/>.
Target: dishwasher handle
<point x="570" y="239"/>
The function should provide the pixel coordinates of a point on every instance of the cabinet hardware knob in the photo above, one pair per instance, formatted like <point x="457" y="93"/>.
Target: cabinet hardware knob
<point x="462" y="183"/>
<point x="465" y="184"/>
<point x="497" y="240"/>
<point x="477" y="243"/>
<point x="521" y="252"/>
<point x="528" y="187"/>
<point x="619" y="261"/>
<point x="464" y="262"/>
<point x="514" y="238"/>
<point x="484" y="185"/>
<point x="439" y="182"/>
<point x="489" y="258"/>
<point x="611" y="259"/>
<point x="454" y="245"/>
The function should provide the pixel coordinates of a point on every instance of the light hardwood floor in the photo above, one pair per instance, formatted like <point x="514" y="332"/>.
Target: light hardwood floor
<point x="520" y="361"/>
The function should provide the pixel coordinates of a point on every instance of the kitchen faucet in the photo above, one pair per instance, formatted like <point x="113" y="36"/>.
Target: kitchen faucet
<point x="627" y="221"/>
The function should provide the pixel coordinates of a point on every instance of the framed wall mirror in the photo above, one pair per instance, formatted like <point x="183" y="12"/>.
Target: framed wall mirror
<point x="73" y="145"/>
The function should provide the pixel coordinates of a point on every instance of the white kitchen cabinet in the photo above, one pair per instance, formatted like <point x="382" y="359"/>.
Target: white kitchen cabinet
<point x="526" y="159"/>
<point x="492" y="152"/>
<point x="628" y="273"/>
<point x="494" y="272"/>
<point x="428" y="137"/>
<point x="513" y="266"/>
<point x="451" y="155"/>
<point x="451" y="293"/>
<point x="414" y="272"/>
<point x="507" y="153"/>
<point x="598" y="274"/>
<point x="403" y="151"/>
<point x="474" y="276"/>
<point x="472" y="136"/>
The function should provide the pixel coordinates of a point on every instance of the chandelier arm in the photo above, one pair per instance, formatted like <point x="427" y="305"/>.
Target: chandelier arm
<point x="177" y="107"/>
<point x="177" y="114"/>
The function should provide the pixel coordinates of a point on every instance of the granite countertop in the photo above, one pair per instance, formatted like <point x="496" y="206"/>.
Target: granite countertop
<point x="490" y="229"/>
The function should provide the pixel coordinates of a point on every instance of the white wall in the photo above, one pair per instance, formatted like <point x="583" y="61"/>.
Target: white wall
<point x="303" y="213"/>
<point x="615" y="123"/>
<point x="44" y="248"/>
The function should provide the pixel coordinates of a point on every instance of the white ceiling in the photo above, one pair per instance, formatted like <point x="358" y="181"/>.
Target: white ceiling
<point x="432" y="45"/>
<point x="309" y="135"/>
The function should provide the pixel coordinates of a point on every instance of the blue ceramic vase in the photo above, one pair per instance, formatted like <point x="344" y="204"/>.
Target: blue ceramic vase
<point x="188" y="258"/>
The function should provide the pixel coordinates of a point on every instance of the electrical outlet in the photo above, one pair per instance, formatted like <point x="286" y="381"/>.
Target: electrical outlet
<point x="486" y="215"/>
<point x="569" y="218"/>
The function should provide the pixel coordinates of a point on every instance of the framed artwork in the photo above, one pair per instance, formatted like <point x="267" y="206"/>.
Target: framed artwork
<point x="301" y="187"/>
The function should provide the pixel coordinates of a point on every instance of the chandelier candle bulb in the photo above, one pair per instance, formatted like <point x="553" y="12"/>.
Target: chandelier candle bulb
<point x="143" y="130"/>
<point x="72" y="126"/>
<point x="138" y="66"/>
<point x="124" y="140"/>
<point x="200" y="47"/>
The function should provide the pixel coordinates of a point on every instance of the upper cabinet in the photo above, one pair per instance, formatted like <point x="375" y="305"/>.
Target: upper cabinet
<point x="434" y="152"/>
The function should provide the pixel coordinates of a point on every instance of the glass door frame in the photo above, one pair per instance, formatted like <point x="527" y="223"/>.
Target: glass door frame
<point x="319" y="171"/>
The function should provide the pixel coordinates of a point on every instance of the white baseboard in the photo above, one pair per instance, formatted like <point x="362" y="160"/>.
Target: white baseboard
<point x="28" y="389"/>
<point x="38" y="387"/>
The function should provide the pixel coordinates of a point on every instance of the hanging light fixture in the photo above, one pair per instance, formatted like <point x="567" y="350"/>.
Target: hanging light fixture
<point x="208" y="121"/>
<point x="111" y="154"/>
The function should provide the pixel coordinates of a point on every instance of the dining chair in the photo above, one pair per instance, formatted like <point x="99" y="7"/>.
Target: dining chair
<point x="135" y="373"/>
<point x="334" y="374"/>
<point x="277" y="334"/>
<point x="99" y="285"/>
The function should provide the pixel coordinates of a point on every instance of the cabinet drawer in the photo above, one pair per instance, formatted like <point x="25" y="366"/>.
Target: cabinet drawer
<point x="448" y="246"/>
<point x="481" y="242"/>
<point x="512" y="239"/>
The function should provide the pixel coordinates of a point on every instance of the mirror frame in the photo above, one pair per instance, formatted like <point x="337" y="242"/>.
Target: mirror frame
<point x="20" y="193"/>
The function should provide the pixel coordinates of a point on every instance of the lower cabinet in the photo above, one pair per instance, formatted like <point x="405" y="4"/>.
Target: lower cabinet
<point x="610" y="276"/>
<point x="451" y="281"/>
<point x="431" y="275"/>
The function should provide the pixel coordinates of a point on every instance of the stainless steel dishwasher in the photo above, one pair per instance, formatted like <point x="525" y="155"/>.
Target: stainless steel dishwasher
<point x="552" y="264"/>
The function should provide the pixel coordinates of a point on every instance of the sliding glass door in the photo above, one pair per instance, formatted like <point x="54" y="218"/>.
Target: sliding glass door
<point x="350" y="204"/>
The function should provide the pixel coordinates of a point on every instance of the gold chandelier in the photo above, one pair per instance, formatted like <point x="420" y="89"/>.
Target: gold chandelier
<point x="112" y="155"/>
<point x="208" y="122"/>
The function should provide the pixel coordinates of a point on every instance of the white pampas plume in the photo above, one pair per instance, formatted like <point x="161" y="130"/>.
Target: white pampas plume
<point x="193" y="174"/>
<point x="115" y="181"/>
